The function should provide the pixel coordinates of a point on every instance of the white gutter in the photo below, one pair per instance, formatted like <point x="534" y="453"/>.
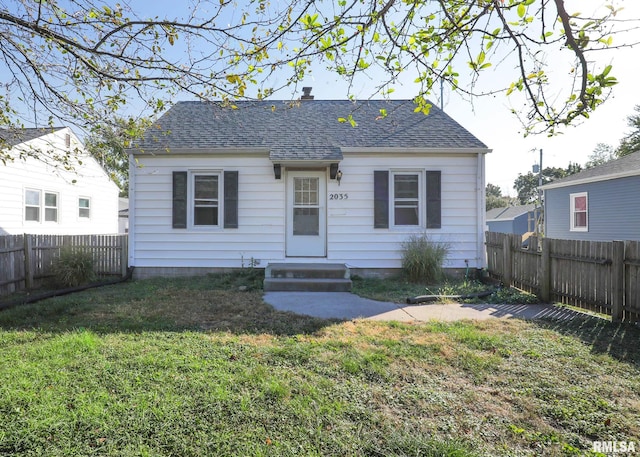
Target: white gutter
<point x="132" y="210"/>
<point x="623" y="174"/>
<point x="164" y="152"/>
<point x="481" y="205"/>
<point x="402" y="150"/>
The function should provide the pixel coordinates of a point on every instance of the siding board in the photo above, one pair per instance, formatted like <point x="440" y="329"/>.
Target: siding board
<point x="261" y="213"/>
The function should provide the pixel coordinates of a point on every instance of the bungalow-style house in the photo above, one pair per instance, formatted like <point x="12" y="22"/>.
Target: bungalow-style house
<point x="215" y="186"/>
<point x="519" y="219"/>
<point x="597" y="204"/>
<point x="40" y="196"/>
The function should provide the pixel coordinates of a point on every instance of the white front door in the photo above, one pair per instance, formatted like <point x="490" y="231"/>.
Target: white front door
<point x="306" y="213"/>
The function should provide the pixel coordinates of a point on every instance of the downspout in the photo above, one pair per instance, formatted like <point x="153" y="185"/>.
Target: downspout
<point x="481" y="258"/>
<point x="132" y="209"/>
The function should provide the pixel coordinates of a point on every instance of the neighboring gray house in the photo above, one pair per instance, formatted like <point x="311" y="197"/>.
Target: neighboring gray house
<point x="513" y="219"/>
<point x="215" y="186"/>
<point x="597" y="204"/>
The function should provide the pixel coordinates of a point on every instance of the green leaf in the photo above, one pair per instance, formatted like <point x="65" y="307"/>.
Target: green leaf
<point x="522" y="10"/>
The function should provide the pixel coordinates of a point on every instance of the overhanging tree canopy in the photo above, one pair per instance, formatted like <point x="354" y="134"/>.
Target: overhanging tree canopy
<point x="85" y="61"/>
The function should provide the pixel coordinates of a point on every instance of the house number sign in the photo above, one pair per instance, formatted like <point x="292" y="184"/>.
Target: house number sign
<point x="338" y="196"/>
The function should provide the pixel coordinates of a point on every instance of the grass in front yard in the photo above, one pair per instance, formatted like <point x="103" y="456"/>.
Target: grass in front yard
<point x="195" y="367"/>
<point x="398" y="289"/>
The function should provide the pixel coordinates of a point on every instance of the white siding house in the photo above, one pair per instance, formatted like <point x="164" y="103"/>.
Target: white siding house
<point x="216" y="188"/>
<point x="41" y="198"/>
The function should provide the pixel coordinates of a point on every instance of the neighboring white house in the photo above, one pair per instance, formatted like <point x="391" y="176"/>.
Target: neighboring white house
<point x="41" y="198"/>
<point x="214" y="186"/>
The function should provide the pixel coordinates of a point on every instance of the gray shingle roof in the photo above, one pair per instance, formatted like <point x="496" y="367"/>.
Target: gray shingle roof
<point x="13" y="137"/>
<point x="627" y="165"/>
<point x="304" y="130"/>
<point x="509" y="213"/>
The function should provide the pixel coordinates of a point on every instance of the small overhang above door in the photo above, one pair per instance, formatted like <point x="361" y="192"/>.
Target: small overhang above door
<point x="305" y="156"/>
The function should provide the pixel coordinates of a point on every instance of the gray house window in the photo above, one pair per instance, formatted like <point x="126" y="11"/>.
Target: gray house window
<point x="579" y="212"/>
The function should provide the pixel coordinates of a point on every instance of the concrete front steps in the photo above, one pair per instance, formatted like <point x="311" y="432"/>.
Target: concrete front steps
<point x="307" y="277"/>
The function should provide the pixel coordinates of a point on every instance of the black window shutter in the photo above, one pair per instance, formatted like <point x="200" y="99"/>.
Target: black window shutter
<point x="434" y="198"/>
<point x="230" y="199"/>
<point x="179" y="199"/>
<point x="381" y="199"/>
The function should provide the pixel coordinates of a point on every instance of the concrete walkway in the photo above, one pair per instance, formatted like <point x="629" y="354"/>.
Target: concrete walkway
<point x="345" y="305"/>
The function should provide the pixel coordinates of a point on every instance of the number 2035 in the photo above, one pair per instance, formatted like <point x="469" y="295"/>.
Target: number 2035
<point x="338" y="196"/>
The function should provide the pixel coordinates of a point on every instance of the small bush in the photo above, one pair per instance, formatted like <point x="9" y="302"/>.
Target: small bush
<point x="422" y="259"/>
<point x="73" y="267"/>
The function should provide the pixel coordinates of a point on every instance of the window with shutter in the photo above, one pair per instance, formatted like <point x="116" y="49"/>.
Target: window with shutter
<point x="179" y="199"/>
<point x="434" y="199"/>
<point x="230" y="199"/>
<point x="205" y="199"/>
<point x="381" y="199"/>
<point x="400" y="199"/>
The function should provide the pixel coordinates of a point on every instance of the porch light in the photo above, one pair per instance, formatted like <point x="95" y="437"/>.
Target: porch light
<point x="277" y="170"/>
<point x="333" y="171"/>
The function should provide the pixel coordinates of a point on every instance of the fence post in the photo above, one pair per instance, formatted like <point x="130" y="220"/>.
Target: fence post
<point x="545" y="271"/>
<point x="618" y="281"/>
<point x="28" y="272"/>
<point x="506" y="261"/>
<point x="124" y="255"/>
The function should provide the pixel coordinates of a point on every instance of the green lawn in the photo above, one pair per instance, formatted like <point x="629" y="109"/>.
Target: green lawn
<point x="191" y="367"/>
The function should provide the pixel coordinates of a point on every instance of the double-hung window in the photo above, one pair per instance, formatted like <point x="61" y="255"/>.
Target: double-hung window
<point x="206" y="199"/>
<point x="35" y="206"/>
<point x="50" y="207"/>
<point x="406" y="198"/>
<point x="579" y="212"/>
<point x="84" y="208"/>
<point x="32" y="205"/>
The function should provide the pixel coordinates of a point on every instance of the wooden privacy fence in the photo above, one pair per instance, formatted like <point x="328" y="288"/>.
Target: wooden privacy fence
<point x="602" y="276"/>
<point x="26" y="260"/>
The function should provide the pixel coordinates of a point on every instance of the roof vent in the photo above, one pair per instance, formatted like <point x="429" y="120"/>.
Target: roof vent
<point x="306" y="93"/>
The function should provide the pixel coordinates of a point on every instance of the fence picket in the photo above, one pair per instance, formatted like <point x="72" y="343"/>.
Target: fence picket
<point x="25" y="260"/>
<point x="594" y="275"/>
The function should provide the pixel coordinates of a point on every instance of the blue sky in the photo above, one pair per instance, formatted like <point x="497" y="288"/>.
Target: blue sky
<point x="489" y="118"/>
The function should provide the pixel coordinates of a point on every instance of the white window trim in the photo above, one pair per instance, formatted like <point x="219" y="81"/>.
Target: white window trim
<point x="191" y="200"/>
<point x="421" y="197"/>
<point x="24" y="206"/>
<point x="572" y="211"/>
<point x="83" y="218"/>
<point x="45" y="207"/>
<point x="42" y="206"/>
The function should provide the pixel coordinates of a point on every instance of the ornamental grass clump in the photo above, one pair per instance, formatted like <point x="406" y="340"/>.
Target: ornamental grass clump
<point x="422" y="259"/>
<point x="73" y="267"/>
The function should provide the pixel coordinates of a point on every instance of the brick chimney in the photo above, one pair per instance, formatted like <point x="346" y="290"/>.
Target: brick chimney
<point x="306" y="91"/>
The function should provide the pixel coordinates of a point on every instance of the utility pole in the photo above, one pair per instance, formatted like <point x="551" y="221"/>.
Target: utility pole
<point x="538" y="210"/>
<point x="539" y="218"/>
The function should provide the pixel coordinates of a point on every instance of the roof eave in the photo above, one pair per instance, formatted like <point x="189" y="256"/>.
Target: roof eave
<point x="414" y="150"/>
<point x="592" y="179"/>
<point x="200" y="151"/>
